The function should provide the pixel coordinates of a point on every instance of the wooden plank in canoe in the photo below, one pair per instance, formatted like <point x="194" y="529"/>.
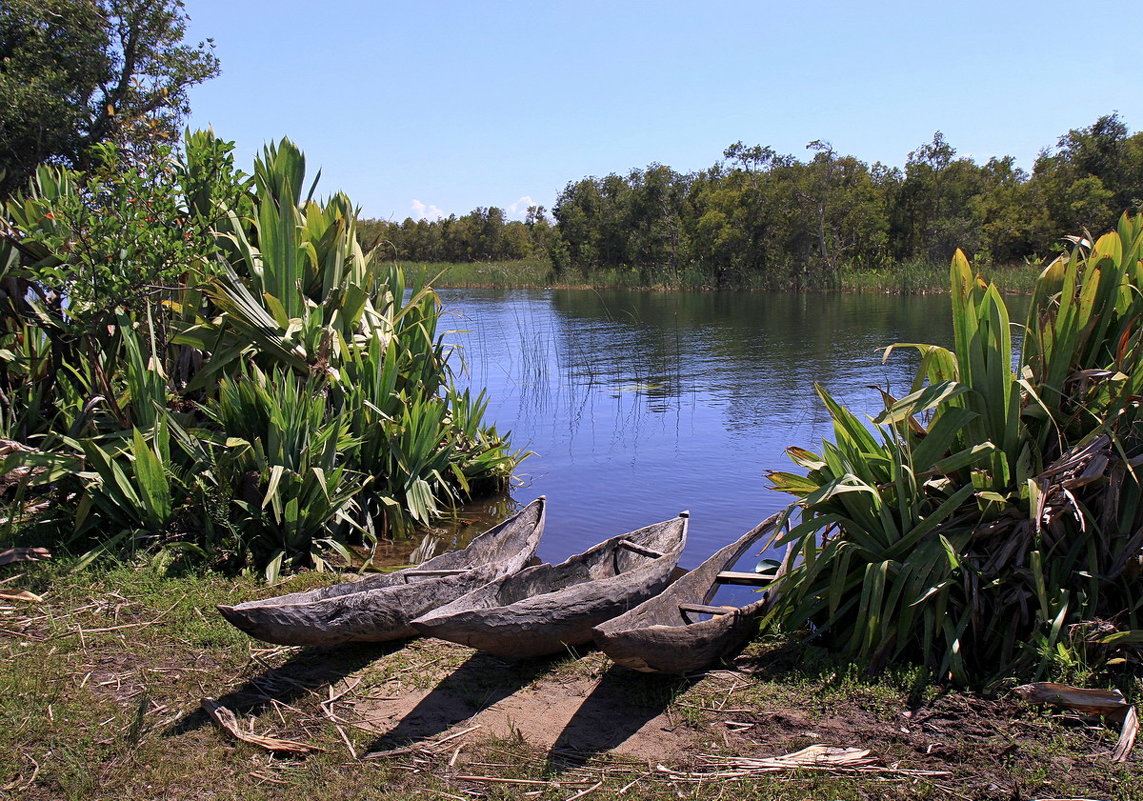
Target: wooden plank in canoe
<point x="747" y="579"/>
<point x="703" y="609"/>
<point x="639" y="549"/>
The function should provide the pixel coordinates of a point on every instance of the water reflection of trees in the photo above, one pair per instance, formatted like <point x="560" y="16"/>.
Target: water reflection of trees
<point x="634" y="398"/>
<point x="756" y="355"/>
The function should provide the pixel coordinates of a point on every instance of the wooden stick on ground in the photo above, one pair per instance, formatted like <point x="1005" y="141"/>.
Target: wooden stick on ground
<point x="1090" y="702"/>
<point x="24" y="555"/>
<point x="423" y="745"/>
<point x="582" y="793"/>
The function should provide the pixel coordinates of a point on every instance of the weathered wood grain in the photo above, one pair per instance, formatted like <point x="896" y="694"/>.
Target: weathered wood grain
<point x="379" y="607"/>
<point x="662" y="635"/>
<point x="548" y="608"/>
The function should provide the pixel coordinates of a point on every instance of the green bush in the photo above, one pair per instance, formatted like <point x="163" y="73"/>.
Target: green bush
<point x="991" y="516"/>
<point x="194" y="357"/>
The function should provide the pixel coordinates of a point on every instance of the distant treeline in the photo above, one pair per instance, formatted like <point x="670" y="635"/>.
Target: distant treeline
<point x="759" y="218"/>
<point x="483" y="234"/>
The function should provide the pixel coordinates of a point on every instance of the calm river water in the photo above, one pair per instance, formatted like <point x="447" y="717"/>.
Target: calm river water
<point x="640" y="404"/>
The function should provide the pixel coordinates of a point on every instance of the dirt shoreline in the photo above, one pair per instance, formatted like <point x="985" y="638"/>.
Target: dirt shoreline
<point x="102" y="681"/>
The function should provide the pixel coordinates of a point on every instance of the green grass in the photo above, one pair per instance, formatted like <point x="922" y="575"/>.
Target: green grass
<point x="100" y="686"/>
<point x="491" y="274"/>
<point x="916" y="278"/>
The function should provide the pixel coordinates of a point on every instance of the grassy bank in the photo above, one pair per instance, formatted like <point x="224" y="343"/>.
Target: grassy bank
<point x="530" y="273"/>
<point x="913" y="278"/>
<point x="101" y="682"/>
<point x="906" y="278"/>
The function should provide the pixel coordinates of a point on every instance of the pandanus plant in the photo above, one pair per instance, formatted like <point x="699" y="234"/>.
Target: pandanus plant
<point x="269" y="389"/>
<point x="992" y="513"/>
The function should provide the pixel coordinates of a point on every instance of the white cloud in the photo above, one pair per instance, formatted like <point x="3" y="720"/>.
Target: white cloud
<point x="429" y="212"/>
<point x="520" y="207"/>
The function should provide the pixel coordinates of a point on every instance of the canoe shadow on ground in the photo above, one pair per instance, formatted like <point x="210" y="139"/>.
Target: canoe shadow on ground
<point x="480" y="682"/>
<point x="302" y="673"/>
<point x="619" y="706"/>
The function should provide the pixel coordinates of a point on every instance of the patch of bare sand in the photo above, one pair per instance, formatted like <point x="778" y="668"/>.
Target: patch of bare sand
<point x="574" y="717"/>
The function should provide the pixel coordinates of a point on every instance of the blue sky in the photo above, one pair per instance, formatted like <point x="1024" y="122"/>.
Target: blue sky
<point x="438" y="107"/>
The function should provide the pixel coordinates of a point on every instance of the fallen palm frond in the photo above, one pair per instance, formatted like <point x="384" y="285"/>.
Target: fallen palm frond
<point x="229" y="723"/>
<point x="991" y="513"/>
<point x="1090" y="702"/>
<point x="822" y="758"/>
<point x="9" y="555"/>
<point x="1109" y="703"/>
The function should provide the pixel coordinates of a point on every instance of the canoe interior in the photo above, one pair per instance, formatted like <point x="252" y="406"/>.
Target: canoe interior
<point x="606" y="560"/>
<point x="696" y="587"/>
<point x="380" y="608"/>
<point x="678" y="631"/>
<point x="545" y="609"/>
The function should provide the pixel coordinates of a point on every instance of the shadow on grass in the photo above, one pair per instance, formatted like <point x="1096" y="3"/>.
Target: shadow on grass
<point x="622" y="703"/>
<point x="480" y="682"/>
<point x="305" y="671"/>
<point x="779" y="659"/>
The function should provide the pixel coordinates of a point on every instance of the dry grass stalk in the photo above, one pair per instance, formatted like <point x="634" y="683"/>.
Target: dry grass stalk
<point x="421" y="747"/>
<point x="826" y="758"/>
<point x="229" y="723"/>
<point x="506" y="780"/>
<point x="582" y="793"/>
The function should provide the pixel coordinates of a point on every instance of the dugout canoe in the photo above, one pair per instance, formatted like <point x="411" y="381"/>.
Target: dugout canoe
<point x="379" y="607"/>
<point x="678" y="631"/>
<point x="548" y="608"/>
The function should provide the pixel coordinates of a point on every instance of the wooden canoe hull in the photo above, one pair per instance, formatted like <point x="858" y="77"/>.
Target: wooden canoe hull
<point x="380" y="607"/>
<point x="657" y="637"/>
<point x="547" y="609"/>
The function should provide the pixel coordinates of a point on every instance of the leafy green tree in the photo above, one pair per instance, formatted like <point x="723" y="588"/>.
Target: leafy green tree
<point x="74" y="73"/>
<point x="1006" y="213"/>
<point x="1095" y="174"/>
<point x="844" y="208"/>
<point x="53" y="57"/>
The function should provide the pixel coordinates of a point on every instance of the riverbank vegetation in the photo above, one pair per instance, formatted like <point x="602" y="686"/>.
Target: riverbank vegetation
<point x="198" y="360"/>
<point x="989" y="522"/>
<point x="908" y="278"/>
<point x="764" y="220"/>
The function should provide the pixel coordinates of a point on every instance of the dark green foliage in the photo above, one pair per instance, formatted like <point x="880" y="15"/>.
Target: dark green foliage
<point x="197" y="359"/>
<point x="76" y="73"/>
<point x="765" y="220"/>
<point x="484" y="234"/>
<point x="762" y="219"/>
